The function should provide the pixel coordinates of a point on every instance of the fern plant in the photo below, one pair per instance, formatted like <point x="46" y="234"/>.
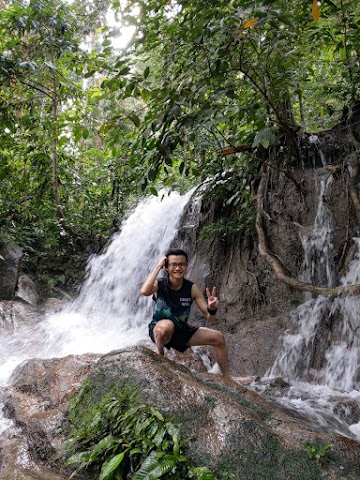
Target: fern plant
<point x="135" y="443"/>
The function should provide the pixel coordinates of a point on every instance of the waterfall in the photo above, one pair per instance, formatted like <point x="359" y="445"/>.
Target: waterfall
<point x="320" y="352"/>
<point x="301" y="339"/>
<point x="342" y="368"/>
<point x="109" y="312"/>
<point x="322" y="343"/>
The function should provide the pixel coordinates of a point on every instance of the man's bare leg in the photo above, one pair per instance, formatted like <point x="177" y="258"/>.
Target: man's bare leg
<point x="208" y="336"/>
<point x="163" y="332"/>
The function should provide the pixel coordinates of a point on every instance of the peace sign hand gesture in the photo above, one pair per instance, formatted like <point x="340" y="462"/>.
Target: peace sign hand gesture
<point x="213" y="301"/>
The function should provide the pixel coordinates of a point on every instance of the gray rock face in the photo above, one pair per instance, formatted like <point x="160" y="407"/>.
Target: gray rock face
<point x="10" y="263"/>
<point x="231" y="429"/>
<point x="14" y="313"/>
<point x="26" y="290"/>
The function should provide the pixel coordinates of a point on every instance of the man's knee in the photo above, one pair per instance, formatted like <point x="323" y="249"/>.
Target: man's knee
<point x="163" y="330"/>
<point x="219" y="339"/>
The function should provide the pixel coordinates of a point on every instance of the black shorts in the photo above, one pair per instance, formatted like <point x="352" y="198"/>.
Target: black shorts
<point x="179" y="338"/>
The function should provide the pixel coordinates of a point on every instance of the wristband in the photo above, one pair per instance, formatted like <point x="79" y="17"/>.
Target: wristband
<point x="212" y="311"/>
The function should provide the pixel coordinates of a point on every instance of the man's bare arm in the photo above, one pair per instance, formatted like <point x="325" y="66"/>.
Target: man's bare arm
<point x="150" y="285"/>
<point x="204" y="306"/>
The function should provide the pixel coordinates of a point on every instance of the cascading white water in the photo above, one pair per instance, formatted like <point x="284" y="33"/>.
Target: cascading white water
<point x="109" y="312"/>
<point x="320" y="354"/>
<point x="294" y="360"/>
<point x="339" y="367"/>
<point x="342" y="368"/>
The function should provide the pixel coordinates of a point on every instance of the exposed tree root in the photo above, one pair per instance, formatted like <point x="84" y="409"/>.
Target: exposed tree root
<point x="354" y="172"/>
<point x="276" y="264"/>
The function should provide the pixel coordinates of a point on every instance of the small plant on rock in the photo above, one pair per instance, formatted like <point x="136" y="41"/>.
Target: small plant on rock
<point x="316" y="452"/>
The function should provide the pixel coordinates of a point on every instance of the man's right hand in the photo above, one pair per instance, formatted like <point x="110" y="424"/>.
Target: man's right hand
<point x="161" y="263"/>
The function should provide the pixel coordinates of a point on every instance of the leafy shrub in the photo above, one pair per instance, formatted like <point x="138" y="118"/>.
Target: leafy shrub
<point x="125" y="440"/>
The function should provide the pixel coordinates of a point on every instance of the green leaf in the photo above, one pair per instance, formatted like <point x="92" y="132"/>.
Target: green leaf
<point x="202" y="473"/>
<point x="264" y="137"/>
<point x="332" y="4"/>
<point x="146" y="72"/>
<point x="110" y="465"/>
<point x="80" y="457"/>
<point x="124" y="71"/>
<point x="135" y="450"/>
<point x="50" y="65"/>
<point x="145" y="94"/>
<point x="159" y="436"/>
<point x="107" y="443"/>
<point x="135" y="119"/>
<point x="153" y="468"/>
<point x="152" y="174"/>
<point x="89" y="74"/>
<point x="4" y="172"/>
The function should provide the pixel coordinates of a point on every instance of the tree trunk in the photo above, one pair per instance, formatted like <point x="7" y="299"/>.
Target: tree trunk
<point x="54" y="162"/>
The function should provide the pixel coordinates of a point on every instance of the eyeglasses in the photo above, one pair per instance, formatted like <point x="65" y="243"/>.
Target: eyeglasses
<point x="180" y="264"/>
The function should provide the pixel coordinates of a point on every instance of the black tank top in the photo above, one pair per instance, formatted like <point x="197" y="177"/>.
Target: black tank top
<point x="173" y="304"/>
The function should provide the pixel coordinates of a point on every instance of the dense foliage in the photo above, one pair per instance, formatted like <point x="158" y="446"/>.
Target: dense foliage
<point x="122" y="438"/>
<point x="238" y="72"/>
<point x="87" y="128"/>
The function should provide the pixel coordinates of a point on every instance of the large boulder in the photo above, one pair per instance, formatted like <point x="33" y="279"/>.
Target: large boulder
<point x="10" y="264"/>
<point x="16" y="462"/>
<point x="37" y="401"/>
<point x="232" y="430"/>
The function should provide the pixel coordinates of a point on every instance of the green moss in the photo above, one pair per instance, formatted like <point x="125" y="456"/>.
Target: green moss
<point x="210" y="402"/>
<point x="262" y="414"/>
<point x="259" y="456"/>
<point x="88" y="412"/>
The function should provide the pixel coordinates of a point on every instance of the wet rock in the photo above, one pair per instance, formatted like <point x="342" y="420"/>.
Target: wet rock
<point x="38" y="398"/>
<point x="16" y="313"/>
<point x="16" y="462"/>
<point x="26" y="290"/>
<point x="229" y="426"/>
<point x="53" y="305"/>
<point x="278" y="382"/>
<point x="348" y="410"/>
<point x="271" y="384"/>
<point x="246" y="380"/>
<point x="10" y="263"/>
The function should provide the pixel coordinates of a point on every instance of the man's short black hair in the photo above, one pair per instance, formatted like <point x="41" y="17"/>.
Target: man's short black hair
<point x="177" y="252"/>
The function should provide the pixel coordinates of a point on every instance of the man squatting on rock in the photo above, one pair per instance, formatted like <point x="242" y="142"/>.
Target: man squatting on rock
<point x="173" y="297"/>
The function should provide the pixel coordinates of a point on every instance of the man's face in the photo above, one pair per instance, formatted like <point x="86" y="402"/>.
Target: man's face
<point x="177" y="265"/>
